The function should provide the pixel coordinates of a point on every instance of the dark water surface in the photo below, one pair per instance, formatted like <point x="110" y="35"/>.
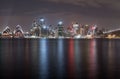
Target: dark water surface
<point x="59" y="59"/>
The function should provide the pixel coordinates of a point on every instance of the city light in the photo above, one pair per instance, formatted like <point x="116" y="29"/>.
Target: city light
<point x="60" y="22"/>
<point x="76" y="25"/>
<point x="42" y="20"/>
<point x="44" y="27"/>
<point x="75" y="31"/>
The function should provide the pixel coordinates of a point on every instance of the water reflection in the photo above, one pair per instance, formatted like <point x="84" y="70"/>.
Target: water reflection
<point x="110" y="58"/>
<point x="60" y="56"/>
<point x="71" y="61"/>
<point x="43" y="59"/>
<point x="77" y="54"/>
<point x="92" y="60"/>
<point x="27" y="59"/>
<point x="59" y="59"/>
<point x="116" y="58"/>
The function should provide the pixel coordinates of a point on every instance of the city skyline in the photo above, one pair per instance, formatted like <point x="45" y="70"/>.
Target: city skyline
<point x="103" y="13"/>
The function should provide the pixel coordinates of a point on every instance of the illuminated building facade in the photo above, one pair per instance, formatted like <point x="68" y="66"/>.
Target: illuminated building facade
<point x="60" y="29"/>
<point x="6" y="33"/>
<point x="18" y="32"/>
<point x="36" y="29"/>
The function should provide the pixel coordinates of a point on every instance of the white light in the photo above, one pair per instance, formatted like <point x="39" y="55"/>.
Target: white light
<point x="42" y="20"/>
<point x="60" y="23"/>
<point x="44" y="27"/>
<point x="75" y="25"/>
<point x="78" y="36"/>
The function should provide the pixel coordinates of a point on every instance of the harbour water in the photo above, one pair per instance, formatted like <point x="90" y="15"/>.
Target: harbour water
<point x="59" y="58"/>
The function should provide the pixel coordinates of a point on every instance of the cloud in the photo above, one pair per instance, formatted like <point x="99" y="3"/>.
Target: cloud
<point x="41" y="6"/>
<point x="114" y="4"/>
<point x="101" y="10"/>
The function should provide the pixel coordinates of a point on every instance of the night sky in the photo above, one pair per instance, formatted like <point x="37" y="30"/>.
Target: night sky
<point x="104" y="13"/>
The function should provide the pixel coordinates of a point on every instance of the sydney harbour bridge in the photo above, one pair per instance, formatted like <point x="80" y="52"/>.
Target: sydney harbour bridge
<point x="114" y="32"/>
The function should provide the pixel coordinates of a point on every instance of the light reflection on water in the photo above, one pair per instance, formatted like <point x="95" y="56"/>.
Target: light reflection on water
<point x="77" y="54"/>
<point x="111" y="58"/>
<point x="60" y="63"/>
<point x="59" y="58"/>
<point x="43" y="58"/>
<point x="71" y="63"/>
<point x="92" y="60"/>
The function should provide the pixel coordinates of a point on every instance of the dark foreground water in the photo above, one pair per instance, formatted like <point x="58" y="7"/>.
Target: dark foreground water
<point x="59" y="59"/>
